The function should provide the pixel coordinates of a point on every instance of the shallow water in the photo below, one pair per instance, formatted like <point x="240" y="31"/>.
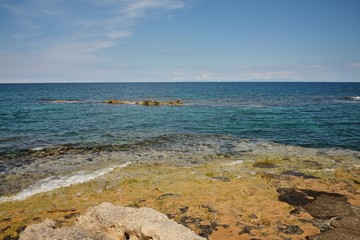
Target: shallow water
<point x="41" y="138"/>
<point x="46" y="169"/>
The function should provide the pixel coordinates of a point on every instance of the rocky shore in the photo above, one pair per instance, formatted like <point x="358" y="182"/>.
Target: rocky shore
<point x="281" y="195"/>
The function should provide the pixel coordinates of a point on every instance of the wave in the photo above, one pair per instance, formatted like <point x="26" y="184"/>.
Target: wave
<point x="61" y="100"/>
<point x="80" y="163"/>
<point x="50" y="184"/>
<point x="353" y="98"/>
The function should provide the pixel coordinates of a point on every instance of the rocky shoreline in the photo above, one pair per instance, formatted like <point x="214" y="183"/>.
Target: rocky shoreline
<point x="272" y="197"/>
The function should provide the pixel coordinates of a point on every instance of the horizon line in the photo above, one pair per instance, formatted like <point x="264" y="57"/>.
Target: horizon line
<point x="190" y="81"/>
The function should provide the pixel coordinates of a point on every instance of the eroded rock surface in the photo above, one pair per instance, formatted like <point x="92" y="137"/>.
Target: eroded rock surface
<point x="107" y="221"/>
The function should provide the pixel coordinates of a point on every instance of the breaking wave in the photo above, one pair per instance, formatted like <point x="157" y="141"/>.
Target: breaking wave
<point x="50" y="184"/>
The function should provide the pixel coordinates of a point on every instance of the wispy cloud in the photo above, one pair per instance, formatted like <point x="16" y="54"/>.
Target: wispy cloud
<point x="268" y="75"/>
<point x="205" y="76"/>
<point x="138" y="8"/>
<point x="85" y="29"/>
<point x="50" y="12"/>
<point x="353" y="65"/>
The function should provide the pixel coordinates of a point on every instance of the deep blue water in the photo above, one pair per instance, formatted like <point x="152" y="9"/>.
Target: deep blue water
<point x="305" y="114"/>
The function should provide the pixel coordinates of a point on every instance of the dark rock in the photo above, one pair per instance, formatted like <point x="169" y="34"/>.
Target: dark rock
<point x="264" y="165"/>
<point x="220" y="178"/>
<point x="71" y="215"/>
<point x="206" y="230"/>
<point x="321" y="205"/>
<point x="224" y="225"/>
<point x="299" y="174"/>
<point x="253" y="216"/>
<point x="9" y="237"/>
<point x="324" y="206"/>
<point x="20" y="229"/>
<point x="327" y="206"/>
<point x="293" y="197"/>
<point x="186" y="221"/>
<point x="295" y="212"/>
<point x="247" y="230"/>
<point x="167" y="195"/>
<point x="350" y="222"/>
<point x="209" y="209"/>
<point x="290" y="229"/>
<point x="323" y="226"/>
<point x="170" y="216"/>
<point x="6" y="219"/>
<point x="184" y="209"/>
<point x="4" y="229"/>
<point x="336" y="234"/>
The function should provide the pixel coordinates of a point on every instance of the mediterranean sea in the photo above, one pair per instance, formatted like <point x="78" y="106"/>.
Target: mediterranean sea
<point x="55" y="131"/>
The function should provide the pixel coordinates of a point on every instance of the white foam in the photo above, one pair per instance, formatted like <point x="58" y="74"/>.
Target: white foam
<point x="50" y="184"/>
<point x="356" y="98"/>
<point x="37" y="148"/>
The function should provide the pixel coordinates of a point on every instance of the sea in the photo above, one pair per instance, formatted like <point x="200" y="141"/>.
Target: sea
<point x="57" y="134"/>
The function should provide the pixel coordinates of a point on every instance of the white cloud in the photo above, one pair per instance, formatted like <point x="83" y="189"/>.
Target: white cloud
<point x="118" y="34"/>
<point x="268" y="75"/>
<point x="139" y="7"/>
<point x="205" y="76"/>
<point x="77" y="51"/>
<point x="353" y="65"/>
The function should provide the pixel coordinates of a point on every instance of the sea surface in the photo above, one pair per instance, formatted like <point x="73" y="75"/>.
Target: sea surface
<point x="43" y="139"/>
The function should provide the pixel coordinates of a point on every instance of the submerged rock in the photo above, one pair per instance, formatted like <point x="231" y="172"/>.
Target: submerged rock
<point x="114" y="101"/>
<point x="65" y="101"/>
<point x="107" y="221"/>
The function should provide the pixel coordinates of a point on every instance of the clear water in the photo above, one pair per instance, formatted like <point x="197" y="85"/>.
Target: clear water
<point x="45" y="144"/>
<point x="304" y="114"/>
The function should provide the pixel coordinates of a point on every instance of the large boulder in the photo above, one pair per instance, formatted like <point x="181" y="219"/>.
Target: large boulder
<point x="109" y="222"/>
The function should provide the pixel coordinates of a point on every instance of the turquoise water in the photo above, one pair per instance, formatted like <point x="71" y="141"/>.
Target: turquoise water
<point x="45" y="144"/>
<point x="305" y="114"/>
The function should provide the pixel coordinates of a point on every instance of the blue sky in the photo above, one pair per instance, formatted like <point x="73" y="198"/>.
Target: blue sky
<point x="179" y="40"/>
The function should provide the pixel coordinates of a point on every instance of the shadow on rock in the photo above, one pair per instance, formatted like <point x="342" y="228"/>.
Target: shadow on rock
<point x="325" y="207"/>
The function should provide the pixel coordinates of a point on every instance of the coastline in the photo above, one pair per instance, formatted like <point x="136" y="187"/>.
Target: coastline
<point x="234" y="196"/>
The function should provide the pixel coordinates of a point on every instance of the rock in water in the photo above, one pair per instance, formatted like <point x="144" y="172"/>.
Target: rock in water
<point x="109" y="222"/>
<point x="114" y="101"/>
<point x="145" y="102"/>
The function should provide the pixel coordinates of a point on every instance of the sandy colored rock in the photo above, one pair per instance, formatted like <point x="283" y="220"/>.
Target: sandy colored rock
<point x="107" y="221"/>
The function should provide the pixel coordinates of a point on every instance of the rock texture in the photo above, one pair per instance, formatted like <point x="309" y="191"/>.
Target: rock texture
<point x="145" y="102"/>
<point x="107" y="221"/>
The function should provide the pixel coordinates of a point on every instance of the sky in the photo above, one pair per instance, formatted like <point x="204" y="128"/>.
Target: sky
<point x="179" y="40"/>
